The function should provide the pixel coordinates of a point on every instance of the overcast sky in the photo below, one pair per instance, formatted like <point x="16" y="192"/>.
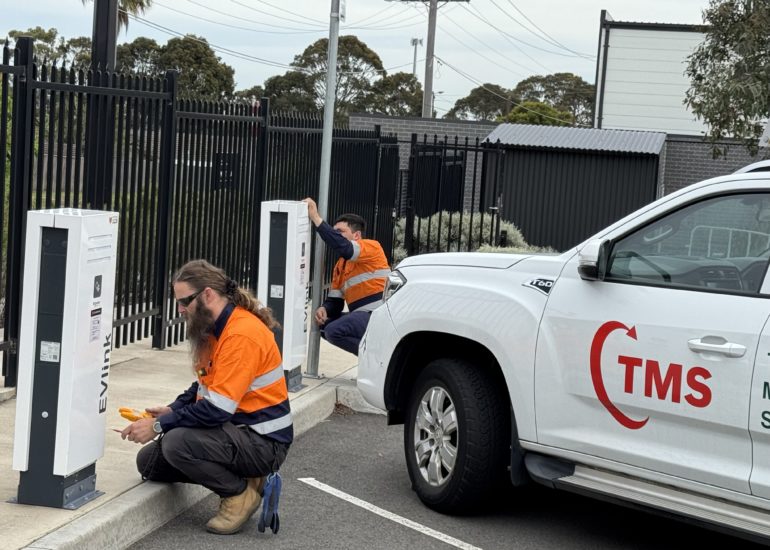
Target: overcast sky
<point x="497" y="41"/>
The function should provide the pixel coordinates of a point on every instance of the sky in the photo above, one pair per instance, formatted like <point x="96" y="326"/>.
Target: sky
<point x="496" y="41"/>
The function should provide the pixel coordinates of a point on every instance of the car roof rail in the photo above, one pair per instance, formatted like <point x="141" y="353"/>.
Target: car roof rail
<point x="761" y="166"/>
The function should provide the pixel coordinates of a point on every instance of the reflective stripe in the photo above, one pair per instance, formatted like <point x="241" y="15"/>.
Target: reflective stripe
<point x="222" y="402"/>
<point x="335" y="294"/>
<point x="379" y="274"/>
<point x="370" y="307"/>
<point x="267" y="379"/>
<point x="271" y="426"/>
<point x="356" y="251"/>
<point x="203" y="391"/>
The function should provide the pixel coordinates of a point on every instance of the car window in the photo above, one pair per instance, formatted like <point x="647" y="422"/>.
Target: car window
<point x="720" y="244"/>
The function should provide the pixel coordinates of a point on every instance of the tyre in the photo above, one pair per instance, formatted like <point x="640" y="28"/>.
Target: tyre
<point x="456" y="436"/>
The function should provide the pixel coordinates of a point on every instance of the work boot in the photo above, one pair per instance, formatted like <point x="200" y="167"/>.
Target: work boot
<point x="235" y="511"/>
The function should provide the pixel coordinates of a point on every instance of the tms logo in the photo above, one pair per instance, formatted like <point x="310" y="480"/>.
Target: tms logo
<point x="656" y="383"/>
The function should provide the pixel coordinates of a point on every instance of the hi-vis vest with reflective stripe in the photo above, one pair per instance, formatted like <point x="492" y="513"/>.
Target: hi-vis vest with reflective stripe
<point x="245" y="378"/>
<point x="363" y="275"/>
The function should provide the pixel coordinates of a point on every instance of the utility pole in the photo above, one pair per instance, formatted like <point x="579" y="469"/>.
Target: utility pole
<point x="415" y="42"/>
<point x="427" y="104"/>
<point x="314" y="342"/>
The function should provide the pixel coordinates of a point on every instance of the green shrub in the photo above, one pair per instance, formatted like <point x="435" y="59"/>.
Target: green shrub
<point x="464" y="232"/>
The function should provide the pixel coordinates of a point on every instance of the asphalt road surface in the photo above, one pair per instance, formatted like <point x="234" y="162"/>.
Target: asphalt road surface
<point x="345" y="485"/>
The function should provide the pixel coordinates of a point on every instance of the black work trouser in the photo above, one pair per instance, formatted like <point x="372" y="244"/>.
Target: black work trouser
<point x="218" y="458"/>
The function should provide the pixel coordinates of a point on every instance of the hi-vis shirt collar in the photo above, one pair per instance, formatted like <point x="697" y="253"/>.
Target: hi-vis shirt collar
<point x="219" y="324"/>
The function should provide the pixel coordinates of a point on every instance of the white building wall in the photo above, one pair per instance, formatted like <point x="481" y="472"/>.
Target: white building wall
<point x="644" y="82"/>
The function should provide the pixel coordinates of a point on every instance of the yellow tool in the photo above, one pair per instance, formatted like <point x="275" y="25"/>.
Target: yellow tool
<point x="133" y="414"/>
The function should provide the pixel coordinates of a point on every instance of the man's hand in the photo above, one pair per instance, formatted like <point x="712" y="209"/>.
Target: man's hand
<point x="140" y="431"/>
<point x="321" y="316"/>
<point x="312" y="211"/>
<point x="158" y="411"/>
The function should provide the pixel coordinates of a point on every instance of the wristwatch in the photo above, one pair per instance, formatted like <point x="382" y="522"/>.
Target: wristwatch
<point x="156" y="427"/>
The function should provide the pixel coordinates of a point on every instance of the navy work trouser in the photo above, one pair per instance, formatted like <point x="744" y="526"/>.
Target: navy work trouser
<point x="347" y="330"/>
<point x="218" y="458"/>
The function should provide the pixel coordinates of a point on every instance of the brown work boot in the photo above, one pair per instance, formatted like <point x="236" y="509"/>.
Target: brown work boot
<point x="235" y="511"/>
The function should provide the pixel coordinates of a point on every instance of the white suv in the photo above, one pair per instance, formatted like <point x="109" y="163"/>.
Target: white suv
<point x="634" y="366"/>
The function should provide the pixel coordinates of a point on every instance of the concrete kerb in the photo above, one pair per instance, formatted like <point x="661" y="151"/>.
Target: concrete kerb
<point x="143" y="509"/>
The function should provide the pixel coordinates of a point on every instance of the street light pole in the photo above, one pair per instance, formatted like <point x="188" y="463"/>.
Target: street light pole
<point x="415" y="42"/>
<point x="314" y="343"/>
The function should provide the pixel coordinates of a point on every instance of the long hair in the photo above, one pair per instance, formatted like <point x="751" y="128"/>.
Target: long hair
<point x="200" y="274"/>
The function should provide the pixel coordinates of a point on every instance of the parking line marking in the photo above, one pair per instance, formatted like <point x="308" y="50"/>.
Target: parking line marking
<point x="388" y="515"/>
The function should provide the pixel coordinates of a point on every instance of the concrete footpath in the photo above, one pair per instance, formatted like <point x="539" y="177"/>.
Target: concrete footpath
<point x="130" y="508"/>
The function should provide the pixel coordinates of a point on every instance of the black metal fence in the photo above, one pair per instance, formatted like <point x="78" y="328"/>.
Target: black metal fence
<point x="187" y="177"/>
<point x="450" y="199"/>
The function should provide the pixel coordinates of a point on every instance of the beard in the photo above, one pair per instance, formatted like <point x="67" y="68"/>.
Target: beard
<point x="200" y="325"/>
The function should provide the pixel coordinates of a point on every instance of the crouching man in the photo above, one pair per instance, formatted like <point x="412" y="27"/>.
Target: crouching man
<point x="233" y="426"/>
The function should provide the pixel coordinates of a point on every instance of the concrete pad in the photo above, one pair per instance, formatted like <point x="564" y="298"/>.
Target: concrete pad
<point x="130" y="508"/>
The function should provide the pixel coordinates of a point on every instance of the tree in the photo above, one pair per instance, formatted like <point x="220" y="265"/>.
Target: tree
<point x="140" y="56"/>
<point x="47" y="47"/>
<point x="399" y="94"/>
<point x="126" y="7"/>
<point x="357" y="68"/>
<point x="255" y="92"/>
<point x="563" y="92"/>
<point x="202" y="75"/>
<point x="487" y="102"/>
<point x="534" y="112"/>
<point x="291" y="91"/>
<point x="729" y="72"/>
<point x="77" y="51"/>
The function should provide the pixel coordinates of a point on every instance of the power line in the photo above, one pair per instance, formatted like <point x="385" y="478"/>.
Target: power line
<point x="252" y="8"/>
<point x="254" y="21"/>
<point x="511" y="39"/>
<point x="555" y="42"/>
<point x="481" y="85"/>
<point x="528" y="69"/>
<point x="314" y="21"/>
<point x="390" y="5"/>
<point x="249" y="29"/>
<point x="214" y="47"/>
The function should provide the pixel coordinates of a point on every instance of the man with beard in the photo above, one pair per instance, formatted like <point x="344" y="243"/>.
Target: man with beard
<point x="233" y="426"/>
<point x="359" y="279"/>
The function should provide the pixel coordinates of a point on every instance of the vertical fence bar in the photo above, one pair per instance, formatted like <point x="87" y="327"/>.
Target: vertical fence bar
<point x="21" y="168"/>
<point x="165" y="197"/>
<point x="260" y="184"/>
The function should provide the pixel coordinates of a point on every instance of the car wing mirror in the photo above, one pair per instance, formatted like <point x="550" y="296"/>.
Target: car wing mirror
<point x="592" y="260"/>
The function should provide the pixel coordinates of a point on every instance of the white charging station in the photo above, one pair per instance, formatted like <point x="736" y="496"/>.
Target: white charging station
<point x="64" y="354"/>
<point x="283" y="280"/>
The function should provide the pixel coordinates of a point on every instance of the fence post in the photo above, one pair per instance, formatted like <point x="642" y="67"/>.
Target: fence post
<point x="259" y="188"/>
<point x="409" y="210"/>
<point x="165" y="214"/>
<point x="18" y="200"/>
<point x="377" y="182"/>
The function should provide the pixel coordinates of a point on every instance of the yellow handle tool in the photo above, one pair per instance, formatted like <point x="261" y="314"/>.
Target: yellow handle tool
<point x="133" y="414"/>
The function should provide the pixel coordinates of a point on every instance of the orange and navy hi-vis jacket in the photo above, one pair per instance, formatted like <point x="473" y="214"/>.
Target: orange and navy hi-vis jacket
<point x="240" y="380"/>
<point x="359" y="274"/>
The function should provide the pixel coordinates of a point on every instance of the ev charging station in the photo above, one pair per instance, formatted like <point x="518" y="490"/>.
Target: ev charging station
<point x="64" y="354"/>
<point x="283" y="280"/>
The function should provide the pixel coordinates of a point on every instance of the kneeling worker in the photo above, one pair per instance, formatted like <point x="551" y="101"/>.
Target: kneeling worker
<point x="233" y="426"/>
<point x="359" y="279"/>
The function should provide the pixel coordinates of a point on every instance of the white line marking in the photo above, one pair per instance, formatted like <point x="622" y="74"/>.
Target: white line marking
<point x="388" y="515"/>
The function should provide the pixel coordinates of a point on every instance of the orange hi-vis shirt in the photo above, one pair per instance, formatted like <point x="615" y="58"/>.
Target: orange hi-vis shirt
<point x="241" y="381"/>
<point x="360" y="279"/>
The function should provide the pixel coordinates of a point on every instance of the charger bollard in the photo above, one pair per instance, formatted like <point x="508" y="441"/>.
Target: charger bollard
<point x="64" y="355"/>
<point x="284" y="252"/>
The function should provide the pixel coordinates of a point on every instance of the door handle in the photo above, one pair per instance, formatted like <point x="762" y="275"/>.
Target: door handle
<point x="712" y="344"/>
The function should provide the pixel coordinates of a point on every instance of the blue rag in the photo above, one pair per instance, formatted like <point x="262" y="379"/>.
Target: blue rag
<point x="271" y="493"/>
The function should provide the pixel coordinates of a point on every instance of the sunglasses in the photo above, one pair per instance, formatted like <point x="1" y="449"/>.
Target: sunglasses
<point x="187" y="300"/>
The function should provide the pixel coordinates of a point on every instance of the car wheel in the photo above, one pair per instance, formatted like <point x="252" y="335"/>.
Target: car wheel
<point x="456" y="436"/>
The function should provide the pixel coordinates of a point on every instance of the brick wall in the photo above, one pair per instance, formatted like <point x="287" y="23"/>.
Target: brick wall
<point x="689" y="160"/>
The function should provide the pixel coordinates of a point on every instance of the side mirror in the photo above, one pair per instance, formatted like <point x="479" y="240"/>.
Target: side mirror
<point x="592" y="260"/>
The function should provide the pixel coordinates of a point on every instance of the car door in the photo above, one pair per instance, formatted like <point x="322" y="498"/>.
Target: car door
<point x="652" y="366"/>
